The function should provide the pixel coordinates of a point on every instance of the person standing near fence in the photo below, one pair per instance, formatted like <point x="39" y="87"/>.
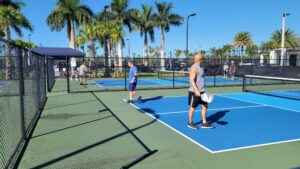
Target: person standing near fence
<point x="226" y="70"/>
<point x="133" y="78"/>
<point x="82" y="73"/>
<point x="197" y="88"/>
<point x="232" y="70"/>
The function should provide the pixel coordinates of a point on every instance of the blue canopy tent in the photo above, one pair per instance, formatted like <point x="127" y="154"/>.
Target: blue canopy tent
<point x="58" y="53"/>
<point x="55" y="53"/>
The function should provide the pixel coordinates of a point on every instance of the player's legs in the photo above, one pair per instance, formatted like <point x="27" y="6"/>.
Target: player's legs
<point x="81" y="79"/>
<point x="130" y="96"/>
<point x="191" y="113"/>
<point x="133" y="93"/>
<point x="84" y="80"/>
<point x="192" y="101"/>
<point x="72" y="73"/>
<point x="204" y="120"/>
<point x="204" y="111"/>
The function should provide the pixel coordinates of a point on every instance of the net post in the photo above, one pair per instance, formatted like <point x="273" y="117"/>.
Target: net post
<point x="68" y="74"/>
<point x="244" y="83"/>
<point x="173" y="79"/>
<point x="214" y="80"/>
<point x="21" y="91"/>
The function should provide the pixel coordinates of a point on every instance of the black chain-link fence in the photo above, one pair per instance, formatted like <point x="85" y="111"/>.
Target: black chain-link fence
<point x="158" y="73"/>
<point x="22" y="97"/>
<point x="50" y="74"/>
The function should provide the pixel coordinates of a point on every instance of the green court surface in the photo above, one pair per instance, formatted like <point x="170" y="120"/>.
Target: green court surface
<point x="100" y="130"/>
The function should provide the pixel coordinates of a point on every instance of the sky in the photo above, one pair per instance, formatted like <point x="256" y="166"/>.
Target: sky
<point x="216" y="22"/>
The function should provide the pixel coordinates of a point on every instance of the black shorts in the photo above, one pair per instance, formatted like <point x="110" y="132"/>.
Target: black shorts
<point x="194" y="100"/>
<point x="132" y="87"/>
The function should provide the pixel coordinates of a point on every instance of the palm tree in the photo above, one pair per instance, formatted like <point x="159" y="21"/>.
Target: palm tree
<point x="116" y="35"/>
<point x="252" y="49"/>
<point x="290" y="38"/>
<point x="120" y="12"/>
<point x="178" y="52"/>
<point x="103" y="18"/>
<point x="164" y="19"/>
<point x="269" y="45"/>
<point x="143" y="21"/>
<point x="89" y="32"/>
<point x="1" y="32"/>
<point x="11" y="18"/>
<point x="69" y="13"/>
<point x="241" y="40"/>
<point x="25" y="44"/>
<point x="79" y="42"/>
<point x="227" y="49"/>
<point x="14" y="4"/>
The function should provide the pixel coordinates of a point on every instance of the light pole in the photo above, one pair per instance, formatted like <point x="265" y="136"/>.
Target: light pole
<point x="283" y="39"/>
<point x="128" y="47"/>
<point x="187" y="34"/>
<point x="106" y="73"/>
<point x="29" y="37"/>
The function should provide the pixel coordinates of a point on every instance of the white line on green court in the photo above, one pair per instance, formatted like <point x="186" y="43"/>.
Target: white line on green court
<point x="225" y="108"/>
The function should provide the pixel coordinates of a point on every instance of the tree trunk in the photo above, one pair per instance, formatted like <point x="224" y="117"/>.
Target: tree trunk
<point x="8" y="70"/>
<point x="120" y="55"/>
<point x="106" y="72"/>
<point x="92" y="57"/>
<point x="72" y="36"/>
<point x="109" y="53"/>
<point x="145" y="61"/>
<point x="162" y="50"/>
<point x="242" y="48"/>
<point x="114" y="53"/>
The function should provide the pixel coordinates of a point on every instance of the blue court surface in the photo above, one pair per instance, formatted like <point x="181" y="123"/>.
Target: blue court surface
<point x="244" y="120"/>
<point x="294" y="94"/>
<point x="159" y="82"/>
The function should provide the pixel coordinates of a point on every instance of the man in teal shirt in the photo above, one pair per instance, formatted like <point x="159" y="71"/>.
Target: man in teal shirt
<point x="133" y="77"/>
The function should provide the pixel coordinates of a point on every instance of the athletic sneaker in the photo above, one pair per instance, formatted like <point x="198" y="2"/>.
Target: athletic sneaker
<point x="139" y="99"/>
<point x="192" y="125"/>
<point x="129" y="101"/>
<point x="207" y="126"/>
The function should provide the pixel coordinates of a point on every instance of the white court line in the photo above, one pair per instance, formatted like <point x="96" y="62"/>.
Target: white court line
<point x="173" y="129"/>
<point x="97" y="84"/>
<point x="298" y="111"/>
<point x="228" y="108"/>
<point x="257" y="145"/>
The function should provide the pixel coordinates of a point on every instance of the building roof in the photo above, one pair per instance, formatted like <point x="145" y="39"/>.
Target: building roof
<point x="58" y="53"/>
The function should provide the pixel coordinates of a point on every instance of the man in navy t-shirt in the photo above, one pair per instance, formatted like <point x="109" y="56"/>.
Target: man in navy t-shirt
<point x="133" y="77"/>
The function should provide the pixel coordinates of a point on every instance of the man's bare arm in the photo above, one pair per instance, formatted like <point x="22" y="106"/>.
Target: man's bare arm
<point x="193" y="73"/>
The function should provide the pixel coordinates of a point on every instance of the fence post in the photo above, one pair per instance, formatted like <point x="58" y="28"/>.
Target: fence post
<point x="47" y="75"/>
<point x="68" y="74"/>
<point x="125" y="74"/>
<point x="38" y="73"/>
<point x="21" y="92"/>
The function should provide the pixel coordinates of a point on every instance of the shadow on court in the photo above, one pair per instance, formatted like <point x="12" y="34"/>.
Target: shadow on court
<point x="151" y="99"/>
<point x="216" y="118"/>
<point x="82" y="132"/>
